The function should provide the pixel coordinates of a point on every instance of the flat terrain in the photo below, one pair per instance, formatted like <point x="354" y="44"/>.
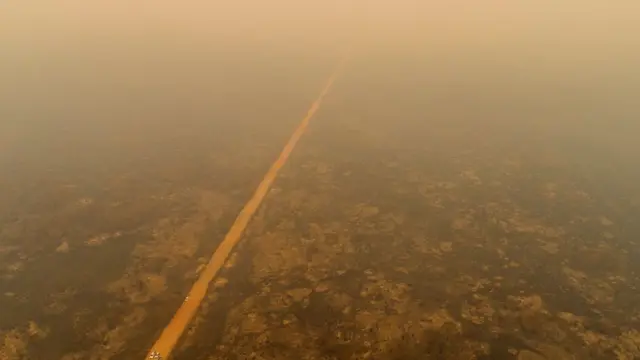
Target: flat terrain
<point x="393" y="234"/>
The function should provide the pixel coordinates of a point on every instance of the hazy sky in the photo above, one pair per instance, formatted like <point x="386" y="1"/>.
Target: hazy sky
<point x="56" y="51"/>
<point x="463" y="26"/>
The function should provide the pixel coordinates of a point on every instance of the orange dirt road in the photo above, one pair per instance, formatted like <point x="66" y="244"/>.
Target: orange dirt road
<point x="176" y="327"/>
